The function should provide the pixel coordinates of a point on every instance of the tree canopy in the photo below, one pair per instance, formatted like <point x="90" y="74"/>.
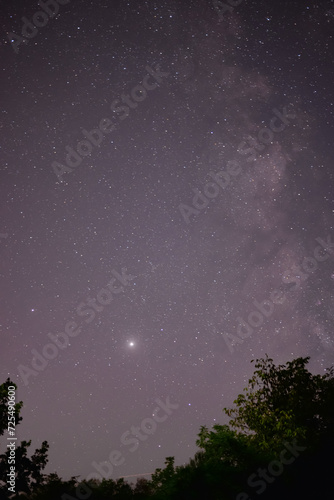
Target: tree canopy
<point x="279" y="441"/>
<point x="285" y="402"/>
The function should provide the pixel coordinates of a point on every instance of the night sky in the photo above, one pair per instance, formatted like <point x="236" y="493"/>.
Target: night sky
<point x="166" y="216"/>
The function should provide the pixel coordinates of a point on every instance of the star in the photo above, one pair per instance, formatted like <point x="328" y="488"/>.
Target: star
<point x="173" y="219"/>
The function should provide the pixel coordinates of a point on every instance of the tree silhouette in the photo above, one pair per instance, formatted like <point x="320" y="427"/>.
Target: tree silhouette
<point x="54" y="487"/>
<point x="282" y="406"/>
<point x="143" y="488"/>
<point x="4" y="408"/>
<point x="285" y="403"/>
<point x="28" y="470"/>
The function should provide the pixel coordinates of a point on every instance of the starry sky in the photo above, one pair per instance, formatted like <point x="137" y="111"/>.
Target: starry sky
<point x="166" y="216"/>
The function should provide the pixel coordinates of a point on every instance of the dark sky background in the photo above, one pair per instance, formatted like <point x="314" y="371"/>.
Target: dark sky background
<point x="164" y="335"/>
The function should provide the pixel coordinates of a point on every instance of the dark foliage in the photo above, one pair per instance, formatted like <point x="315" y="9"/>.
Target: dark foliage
<point x="278" y="444"/>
